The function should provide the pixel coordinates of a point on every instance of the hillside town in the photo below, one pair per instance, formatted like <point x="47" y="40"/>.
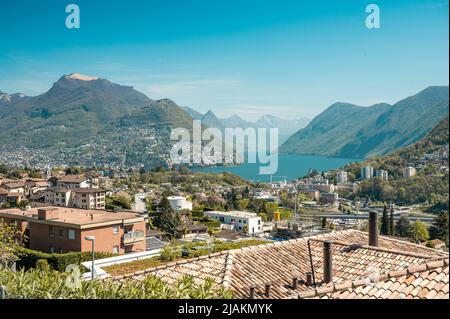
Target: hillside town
<point x="134" y="225"/>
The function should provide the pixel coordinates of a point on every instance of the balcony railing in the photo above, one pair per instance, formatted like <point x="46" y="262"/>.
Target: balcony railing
<point x="133" y="237"/>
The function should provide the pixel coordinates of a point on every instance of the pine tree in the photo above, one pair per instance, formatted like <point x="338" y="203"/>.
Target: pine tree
<point x="439" y="228"/>
<point x="403" y="227"/>
<point x="166" y="218"/>
<point x="392" y="223"/>
<point x="385" y="222"/>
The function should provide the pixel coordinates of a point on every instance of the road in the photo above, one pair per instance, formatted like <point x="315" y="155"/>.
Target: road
<point x="361" y="216"/>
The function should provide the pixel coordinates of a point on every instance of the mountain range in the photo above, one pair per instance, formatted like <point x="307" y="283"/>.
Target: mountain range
<point x="347" y="130"/>
<point x="285" y="127"/>
<point x="85" y="120"/>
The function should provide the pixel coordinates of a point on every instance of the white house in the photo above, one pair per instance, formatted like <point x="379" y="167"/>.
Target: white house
<point x="245" y="222"/>
<point x="179" y="203"/>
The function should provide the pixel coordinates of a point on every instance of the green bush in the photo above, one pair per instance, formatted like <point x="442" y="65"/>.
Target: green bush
<point x="170" y="253"/>
<point x="28" y="258"/>
<point x="430" y="244"/>
<point x="197" y="213"/>
<point x="198" y="252"/>
<point x="42" y="265"/>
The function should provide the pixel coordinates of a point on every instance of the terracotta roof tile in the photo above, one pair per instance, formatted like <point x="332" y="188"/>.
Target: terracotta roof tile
<point x="359" y="271"/>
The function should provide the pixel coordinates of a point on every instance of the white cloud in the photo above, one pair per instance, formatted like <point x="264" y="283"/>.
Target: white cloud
<point x="188" y="87"/>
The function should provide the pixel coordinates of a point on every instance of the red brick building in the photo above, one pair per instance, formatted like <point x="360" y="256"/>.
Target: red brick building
<point x="60" y="229"/>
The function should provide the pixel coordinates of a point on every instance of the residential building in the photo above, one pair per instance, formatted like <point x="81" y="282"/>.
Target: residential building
<point x="329" y="198"/>
<point x="409" y="172"/>
<point x="179" y="203"/>
<point x="191" y="231"/>
<point x="15" y="186"/>
<point x="10" y="198"/>
<point x="59" y="230"/>
<point x="76" y="181"/>
<point x="244" y="222"/>
<point x="381" y="173"/>
<point x="341" y="177"/>
<point x="87" y="198"/>
<point x="366" y="172"/>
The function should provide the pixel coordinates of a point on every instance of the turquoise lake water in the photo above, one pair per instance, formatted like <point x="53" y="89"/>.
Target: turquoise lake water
<point x="291" y="166"/>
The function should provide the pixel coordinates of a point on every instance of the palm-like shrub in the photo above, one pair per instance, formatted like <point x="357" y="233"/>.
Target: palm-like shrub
<point x="51" y="284"/>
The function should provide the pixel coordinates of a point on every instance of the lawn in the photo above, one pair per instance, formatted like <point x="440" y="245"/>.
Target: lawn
<point x="130" y="267"/>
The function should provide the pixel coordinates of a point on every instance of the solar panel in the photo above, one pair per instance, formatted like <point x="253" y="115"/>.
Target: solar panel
<point x="154" y="243"/>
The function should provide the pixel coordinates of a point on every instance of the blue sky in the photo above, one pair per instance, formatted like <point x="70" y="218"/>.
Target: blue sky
<point x="249" y="57"/>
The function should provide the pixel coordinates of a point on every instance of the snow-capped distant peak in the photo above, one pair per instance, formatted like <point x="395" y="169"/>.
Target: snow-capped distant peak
<point x="81" y="77"/>
<point x="5" y="97"/>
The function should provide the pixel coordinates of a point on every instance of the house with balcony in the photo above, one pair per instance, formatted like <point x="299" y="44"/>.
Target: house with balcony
<point x="87" y="198"/>
<point x="55" y="229"/>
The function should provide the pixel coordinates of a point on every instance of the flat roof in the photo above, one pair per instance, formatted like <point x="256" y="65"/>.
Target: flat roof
<point x="73" y="216"/>
<point x="234" y="213"/>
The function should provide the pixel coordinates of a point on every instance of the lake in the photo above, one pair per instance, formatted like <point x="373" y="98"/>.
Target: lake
<point x="291" y="166"/>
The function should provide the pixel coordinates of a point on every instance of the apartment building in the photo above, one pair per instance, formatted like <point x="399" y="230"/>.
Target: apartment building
<point x="341" y="177"/>
<point x="87" y="198"/>
<point x="244" y="222"/>
<point x="59" y="230"/>
<point x="381" y="173"/>
<point x="409" y="172"/>
<point x="366" y="172"/>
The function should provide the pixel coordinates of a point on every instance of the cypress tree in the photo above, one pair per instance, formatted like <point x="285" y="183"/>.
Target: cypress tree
<point x="385" y="222"/>
<point x="391" y="223"/>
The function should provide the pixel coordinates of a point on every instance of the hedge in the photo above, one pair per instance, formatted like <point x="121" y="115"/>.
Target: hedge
<point x="28" y="258"/>
<point x="197" y="213"/>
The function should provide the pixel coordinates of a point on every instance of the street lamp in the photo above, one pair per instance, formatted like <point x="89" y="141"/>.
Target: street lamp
<point x="92" y="239"/>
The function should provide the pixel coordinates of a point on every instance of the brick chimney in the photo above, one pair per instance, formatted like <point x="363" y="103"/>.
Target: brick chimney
<point x="48" y="213"/>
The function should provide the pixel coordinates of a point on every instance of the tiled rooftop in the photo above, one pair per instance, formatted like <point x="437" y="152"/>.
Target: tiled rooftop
<point x="426" y="281"/>
<point x="73" y="178"/>
<point x="279" y="262"/>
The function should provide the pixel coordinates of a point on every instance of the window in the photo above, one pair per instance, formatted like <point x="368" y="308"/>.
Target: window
<point x="245" y="222"/>
<point x="71" y="234"/>
<point x="115" y="230"/>
<point x="61" y="232"/>
<point x="221" y="219"/>
<point x="116" y="250"/>
<point x="50" y="231"/>
<point x="259" y="221"/>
